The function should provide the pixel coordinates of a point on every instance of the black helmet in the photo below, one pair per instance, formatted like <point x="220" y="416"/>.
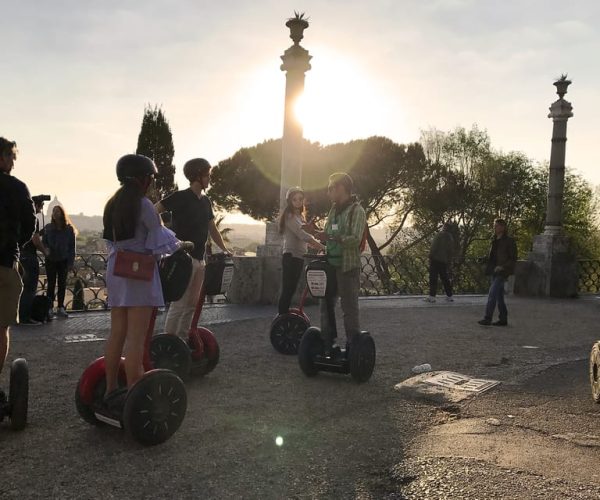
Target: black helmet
<point x="131" y="166"/>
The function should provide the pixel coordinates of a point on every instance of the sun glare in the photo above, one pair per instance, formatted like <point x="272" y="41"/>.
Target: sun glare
<point x="340" y="101"/>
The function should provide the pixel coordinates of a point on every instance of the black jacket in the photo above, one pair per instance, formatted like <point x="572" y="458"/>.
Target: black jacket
<point x="17" y="218"/>
<point x="503" y="253"/>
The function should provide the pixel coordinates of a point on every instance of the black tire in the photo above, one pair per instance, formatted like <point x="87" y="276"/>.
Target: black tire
<point x="311" y="346"/>
<point x="286" y="332"/>
<point x="595" y="372"/>
<point x="361" y="360"/>
<point x="155" y="407"/>
<point x="18" y="398"/>
<point x="86" y="412"/>
<point x="169" y="352"/>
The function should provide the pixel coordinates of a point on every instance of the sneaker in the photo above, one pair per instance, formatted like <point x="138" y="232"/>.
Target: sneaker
<point x="51" y="313"/>
<point x="61" y="313"/>
<point x="500" y="323"/>
<point x="449" y="299"/>
<point x="114" y="402"/>
<point x="429" y="299"/>
<point x="29" y="322"/>
<point x="484" y="322"/>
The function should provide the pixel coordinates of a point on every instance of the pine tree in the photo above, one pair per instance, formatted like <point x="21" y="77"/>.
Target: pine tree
<point x="156" y="141"/>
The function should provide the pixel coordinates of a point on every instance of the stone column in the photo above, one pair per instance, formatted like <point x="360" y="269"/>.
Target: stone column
<point x="560" y="112"/>
<point x="296" y="62"/>
<point x="551" y="268"/>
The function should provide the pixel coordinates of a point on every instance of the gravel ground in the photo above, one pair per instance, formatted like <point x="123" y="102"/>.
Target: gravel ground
<point x="340" y="439"/>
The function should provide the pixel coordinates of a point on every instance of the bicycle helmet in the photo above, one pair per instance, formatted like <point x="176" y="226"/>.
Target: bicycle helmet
<point x="135" y="166"/>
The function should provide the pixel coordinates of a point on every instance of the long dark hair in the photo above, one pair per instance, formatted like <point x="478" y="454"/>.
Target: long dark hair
<point x="64" y="221"/>
<point x="122" y="211"/>
<point x="289" y="209"/>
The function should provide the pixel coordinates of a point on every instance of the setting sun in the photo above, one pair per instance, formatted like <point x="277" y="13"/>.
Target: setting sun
<point x="340" y="101"/>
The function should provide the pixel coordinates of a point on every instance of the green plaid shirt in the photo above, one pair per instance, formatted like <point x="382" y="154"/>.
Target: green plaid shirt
<point x="346" y="252"/>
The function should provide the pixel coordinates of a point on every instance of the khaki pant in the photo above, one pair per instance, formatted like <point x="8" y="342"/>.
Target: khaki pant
<point x="347" y="288"/>
<point x="11" y="287"/>
<point x="179" y="317"/>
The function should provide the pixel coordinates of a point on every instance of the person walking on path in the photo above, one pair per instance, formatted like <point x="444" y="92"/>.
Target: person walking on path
<point x="131" y="223"/>
<point x="440" y="259"/>
<point x="500" y="265"/>
<point x="17" y="223"/>
<point x="31" y="268"/>
<point x="192" y="219"/>
<point x="343" y="233"/>
<point x="59" y="240"/>
<point x="295" y="243"/>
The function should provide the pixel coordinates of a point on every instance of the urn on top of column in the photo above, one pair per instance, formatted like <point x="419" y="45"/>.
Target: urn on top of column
<point x="561" y="85"/>
<point x="297" y="25"/>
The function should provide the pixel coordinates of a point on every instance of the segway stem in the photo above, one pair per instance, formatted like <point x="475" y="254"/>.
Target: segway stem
<point x="148" y="365"/>
<point x="199" y="306"/>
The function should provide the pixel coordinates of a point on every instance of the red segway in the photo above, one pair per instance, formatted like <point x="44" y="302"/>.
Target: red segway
<point x="154" y="407"/>
<point x="202" y="354"/>
<point x="287" y="328"/>
<point x="15" y="407"/>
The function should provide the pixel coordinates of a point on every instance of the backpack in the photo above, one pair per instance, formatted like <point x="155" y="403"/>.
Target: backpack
<point x="363" y="241"/>
<point x="40" y="307"/>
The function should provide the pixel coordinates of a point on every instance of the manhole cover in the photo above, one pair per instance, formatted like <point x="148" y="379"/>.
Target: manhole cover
<point x="452" y="380"/>
<point x="82" y="337"/>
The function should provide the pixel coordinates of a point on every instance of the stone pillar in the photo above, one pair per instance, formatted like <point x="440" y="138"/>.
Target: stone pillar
<point x="551" y="268"/>
<point x="296" y="62"/>
<point x="560" y="112"/>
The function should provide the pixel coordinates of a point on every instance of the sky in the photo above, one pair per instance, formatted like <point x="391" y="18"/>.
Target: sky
<point x="77" y="74"/>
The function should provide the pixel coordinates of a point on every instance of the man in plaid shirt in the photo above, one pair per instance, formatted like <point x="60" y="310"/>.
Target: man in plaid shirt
<point x="342" y="235"/>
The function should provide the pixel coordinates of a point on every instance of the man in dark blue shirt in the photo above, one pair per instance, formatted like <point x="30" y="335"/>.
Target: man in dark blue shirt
<point x="192" y="220"/>
<point x="17" y="223"/>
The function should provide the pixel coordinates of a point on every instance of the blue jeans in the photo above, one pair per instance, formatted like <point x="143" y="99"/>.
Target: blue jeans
<point x="496" y="295"/>
<point x="31" y="273"/>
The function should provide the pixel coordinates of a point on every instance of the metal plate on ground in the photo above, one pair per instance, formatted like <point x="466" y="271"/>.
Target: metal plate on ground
<point x="452" y="380"/>
<point x="82" y="337"/>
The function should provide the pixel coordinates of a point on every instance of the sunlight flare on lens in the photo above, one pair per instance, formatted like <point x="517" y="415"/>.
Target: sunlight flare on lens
<point x="279" y="441"/>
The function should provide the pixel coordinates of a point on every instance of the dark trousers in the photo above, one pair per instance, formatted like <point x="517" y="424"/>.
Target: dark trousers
<point x="57" y="270"/>
<point x="436" y="268"/>
<point x="347" y="287"/>
<point x="496" y="296"/>
<point x="31" y="274"/>
<point x="291" y="269"/>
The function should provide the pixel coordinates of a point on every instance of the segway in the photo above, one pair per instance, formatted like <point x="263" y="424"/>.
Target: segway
<point x="154" y="406"/>
<point x="201" y="355"/>
<point x="317" y="351"/>
<point x="15" y="408"/>
<point x="287" y="328"/>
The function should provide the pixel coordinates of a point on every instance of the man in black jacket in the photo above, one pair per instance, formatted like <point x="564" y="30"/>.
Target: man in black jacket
<point x="500" y="265"/>
<point x="17" y="223"/>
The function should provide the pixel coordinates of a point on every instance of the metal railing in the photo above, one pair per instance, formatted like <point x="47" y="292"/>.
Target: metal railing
<point x="409" y="275"/>
<point x="380" y="275"/>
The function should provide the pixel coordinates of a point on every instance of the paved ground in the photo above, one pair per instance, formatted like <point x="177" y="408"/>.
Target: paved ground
<point x="537" y="435"/>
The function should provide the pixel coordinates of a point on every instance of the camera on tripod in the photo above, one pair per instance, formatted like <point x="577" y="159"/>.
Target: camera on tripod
<point x="40" y="198"/>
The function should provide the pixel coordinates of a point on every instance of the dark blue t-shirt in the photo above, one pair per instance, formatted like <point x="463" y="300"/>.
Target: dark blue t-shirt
<point x="191" y="217"/>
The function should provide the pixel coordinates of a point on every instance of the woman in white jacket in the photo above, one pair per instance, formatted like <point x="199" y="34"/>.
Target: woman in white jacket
<point x="295" y="242"/>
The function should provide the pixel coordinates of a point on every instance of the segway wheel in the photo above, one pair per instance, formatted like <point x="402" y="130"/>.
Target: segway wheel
<point x="286" y="332"/>
<point x="169" y="352"/>
<point x="18" y="394"/>
<point x="595" y="372"/>
<point x="362" y="358"/>
<point x="310" y="347"/>
<point x="204" y="342"/>
<point x="155" y="407"/>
